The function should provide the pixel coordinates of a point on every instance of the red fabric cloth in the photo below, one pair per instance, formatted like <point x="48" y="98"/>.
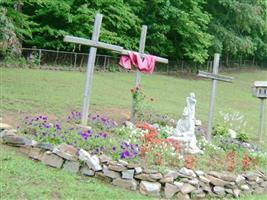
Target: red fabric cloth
<point x="146" y="65"/>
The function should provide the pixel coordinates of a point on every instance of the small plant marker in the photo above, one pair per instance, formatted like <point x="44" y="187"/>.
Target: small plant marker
<point x="214" y="76"/>
<point x="95" y="43"/>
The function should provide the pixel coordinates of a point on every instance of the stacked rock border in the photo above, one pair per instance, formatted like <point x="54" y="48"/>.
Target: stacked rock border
<point x="181" y="184"/>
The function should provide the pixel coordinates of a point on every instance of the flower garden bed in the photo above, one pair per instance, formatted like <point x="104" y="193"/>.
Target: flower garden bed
<point x="140" y="157"/>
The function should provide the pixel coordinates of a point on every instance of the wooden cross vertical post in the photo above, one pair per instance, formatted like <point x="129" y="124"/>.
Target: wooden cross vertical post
<point x="215" y="77"/>
<point x="90" y="70"/>
<point x="213" y="93"/>
<point x="142" y="43"/>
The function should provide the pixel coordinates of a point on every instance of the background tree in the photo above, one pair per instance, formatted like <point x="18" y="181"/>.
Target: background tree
<point x="238" y="26"/>
<point x="178" y="29"/>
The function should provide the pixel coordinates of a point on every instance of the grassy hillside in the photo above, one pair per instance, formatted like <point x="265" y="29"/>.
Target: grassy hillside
<point x="28" y="91"/>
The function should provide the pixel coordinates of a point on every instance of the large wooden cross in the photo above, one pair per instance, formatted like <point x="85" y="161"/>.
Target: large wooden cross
<point x="214" y="76"/>
<point x="94" y="43"/>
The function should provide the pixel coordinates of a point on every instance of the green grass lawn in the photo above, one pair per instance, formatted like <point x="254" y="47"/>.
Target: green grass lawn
<point x="22" y="178"/>
<point x="30" y="92"/>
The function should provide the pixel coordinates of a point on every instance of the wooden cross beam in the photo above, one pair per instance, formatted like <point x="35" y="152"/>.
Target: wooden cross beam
<point x="94" y="43"/>
<point x="215" y="77"/>
<point x="97" y="44"/>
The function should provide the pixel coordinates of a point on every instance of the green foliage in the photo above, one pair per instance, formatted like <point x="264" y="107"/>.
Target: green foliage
<point x="177" y="29"/>
<point x="113" y="68"/>
<point x="138" y="101"/>
<point x="238" y="26"/>
<point x="242" y="136"/>
<point x="220" y="130"/>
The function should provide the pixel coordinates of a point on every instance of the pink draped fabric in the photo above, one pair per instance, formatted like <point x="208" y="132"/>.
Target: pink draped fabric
<point x="146" y="65"/>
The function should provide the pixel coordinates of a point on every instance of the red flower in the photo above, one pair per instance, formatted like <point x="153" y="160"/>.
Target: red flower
<point x="245" y="162"/>
<point x="231" y="160"/>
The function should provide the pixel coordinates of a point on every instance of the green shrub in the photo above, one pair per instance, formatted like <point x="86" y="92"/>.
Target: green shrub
<point x="220" y="130"/>
<point x="242" y="136"/>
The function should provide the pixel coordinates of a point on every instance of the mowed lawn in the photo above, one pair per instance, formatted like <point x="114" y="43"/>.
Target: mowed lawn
<point x="25" y="179"/>
<point x="31" y="92"/>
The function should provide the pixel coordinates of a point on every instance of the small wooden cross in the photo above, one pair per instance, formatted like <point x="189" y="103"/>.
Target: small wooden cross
<point x="215" y="77"/>
<point x="94" y="43"/>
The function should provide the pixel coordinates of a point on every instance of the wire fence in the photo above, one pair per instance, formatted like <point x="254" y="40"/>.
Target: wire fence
<point x="73" y="61"/>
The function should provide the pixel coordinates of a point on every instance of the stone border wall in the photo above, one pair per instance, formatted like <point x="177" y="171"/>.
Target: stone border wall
<point x="182" y="184"/>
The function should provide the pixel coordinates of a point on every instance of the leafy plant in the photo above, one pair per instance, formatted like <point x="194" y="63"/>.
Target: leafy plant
<point x="242" y="136"/>
<point x="220" y="130"/>
<point x="138" y="101"/>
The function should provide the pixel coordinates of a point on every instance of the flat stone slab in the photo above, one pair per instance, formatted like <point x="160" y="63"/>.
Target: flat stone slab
<point x="101" y="176"/>
<point x="45" y="146"/>
<point x="149" y="188"/>
<point x="216" y="181"/>
<point x="71" y="166"/>
<point x="219" y="190"/>
<point x="86" y="171"/>
<point x="94" y="163"/>
<point x="118" y="167"/>
<point x="13" y="140"/>
<point x="170" y="190"/>
<point x="127" y="184"/>
<point x="251" y="176"/>
<point x="104" y="158"/>
<point x="144" y="177"/>
<point x="110" y="173"/>
<point x="138" y="170"/>
<point x="187" y="172"/>
<point x="66" y="151"/>
<point x="226" y="176"/>
<point x="128" y="174"/>
<point x="35" y="153"/>
<point x="167" y="179"/>
<point x="187" y="188"/>
<point x="52" y="160"/>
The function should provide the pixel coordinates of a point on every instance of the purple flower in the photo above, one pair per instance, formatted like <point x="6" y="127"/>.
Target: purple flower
<point x="58" y="127"/>
<point x="103" y="135"/>
<point x="127" y="153"/>
<point x="84" y="135"/>
<point x="46" y="125"/>
<point x="122" y="156"/>
<point x="113" y="148"/>
<point x="43" y="133"/>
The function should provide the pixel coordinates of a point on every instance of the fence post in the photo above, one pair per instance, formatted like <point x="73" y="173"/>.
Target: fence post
<point x="105" y="62"/>
<point x="75" y="60"/>
<point x="40" y="56"/>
